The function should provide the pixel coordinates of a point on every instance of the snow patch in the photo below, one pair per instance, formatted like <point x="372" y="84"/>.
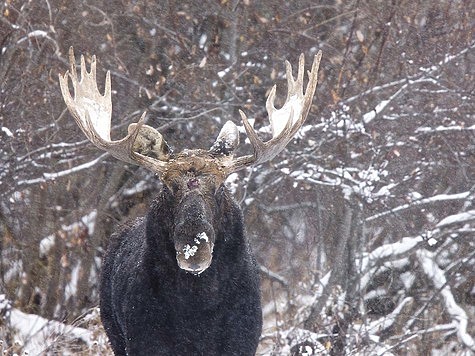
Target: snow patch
<point x="201" y="236"/>
<point x="36" y="334"/>
<point x="7" y="131"/>
<point x="189" y="251"/>
<point x="223" y="72"/>
<point x="203" y="40"/>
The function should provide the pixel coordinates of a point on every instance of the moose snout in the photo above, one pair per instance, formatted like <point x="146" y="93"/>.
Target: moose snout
<point x="192" y="267"/>
<point x="195" y="257"/>
<point x="194" y="245"/>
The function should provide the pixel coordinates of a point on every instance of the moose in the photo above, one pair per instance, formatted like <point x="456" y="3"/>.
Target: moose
<point x="182" y="280"/>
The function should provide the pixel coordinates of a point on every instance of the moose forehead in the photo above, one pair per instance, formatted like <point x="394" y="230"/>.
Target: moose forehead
<point x="194" y="163"/>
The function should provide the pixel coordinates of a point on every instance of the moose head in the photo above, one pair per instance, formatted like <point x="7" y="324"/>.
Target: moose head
<point x="192" y="176"/>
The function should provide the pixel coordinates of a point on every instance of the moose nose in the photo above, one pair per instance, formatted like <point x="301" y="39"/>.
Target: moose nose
<point x="194" y="268"/>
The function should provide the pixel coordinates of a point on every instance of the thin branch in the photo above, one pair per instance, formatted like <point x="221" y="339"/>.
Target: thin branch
<point x="273" y="276"/>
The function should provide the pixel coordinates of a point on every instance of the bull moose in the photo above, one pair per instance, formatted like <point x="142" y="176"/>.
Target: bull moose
<point x="182" y="280"/>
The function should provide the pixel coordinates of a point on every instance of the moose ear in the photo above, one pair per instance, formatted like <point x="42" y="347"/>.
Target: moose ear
<point x="227" y="141"/>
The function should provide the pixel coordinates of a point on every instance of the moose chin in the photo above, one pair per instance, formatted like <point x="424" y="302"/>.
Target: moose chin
<point x="182" y="280"/>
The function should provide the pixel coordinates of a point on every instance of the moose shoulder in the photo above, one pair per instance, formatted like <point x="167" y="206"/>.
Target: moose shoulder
<point x="182" y="280"/>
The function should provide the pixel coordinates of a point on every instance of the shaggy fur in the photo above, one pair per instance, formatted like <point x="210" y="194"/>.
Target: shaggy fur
<point x="149" y="306"/>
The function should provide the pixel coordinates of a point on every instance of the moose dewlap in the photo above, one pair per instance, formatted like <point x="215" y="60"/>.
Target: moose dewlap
<point x="182" y="280"/>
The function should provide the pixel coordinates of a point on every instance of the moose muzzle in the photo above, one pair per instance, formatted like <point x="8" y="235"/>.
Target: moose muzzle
<point x="194" y="234"/>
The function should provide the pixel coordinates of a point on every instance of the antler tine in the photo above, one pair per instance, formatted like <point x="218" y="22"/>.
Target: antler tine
<point x="92" y="112"/>
<point x="286" y="121"/>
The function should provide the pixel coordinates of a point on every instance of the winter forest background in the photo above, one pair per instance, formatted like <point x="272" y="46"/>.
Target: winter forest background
<point x="364" y="226"/>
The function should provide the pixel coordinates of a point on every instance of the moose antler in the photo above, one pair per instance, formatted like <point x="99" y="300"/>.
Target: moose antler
<point x="146" y="147"/>
<point x="286" y="121"/>
<point x="92" y="112"/>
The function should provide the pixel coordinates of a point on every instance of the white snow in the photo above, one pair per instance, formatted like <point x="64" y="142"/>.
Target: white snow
<point x="7" y="131"/>
<point x="369" y="116"/>
<point x="189" y="251"/>
<point x="32" y="34"/>
<point x="370" y="266"/>
<point x="387" y="320"/>
<point x="137" y="188"/>
<point x="297" y="335"/>
<point x="202" y="40"/>
<point x="232" y="182"/>
<point x="457" y="218"/>
<point x="15" y="270"/>
<point x="229" y="135"/>
<point x="202" y="236"/>
<point x="46" y="244"/>
<point x="398" y="248"/>
<point x="408" y="279"/>
<point x="223" y="72"/>
<point x="444" y="129"/>
<point x="35" y="333"/>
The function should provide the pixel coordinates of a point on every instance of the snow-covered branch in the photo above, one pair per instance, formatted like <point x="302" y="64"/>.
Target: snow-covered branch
<point x="274" y="276"/>
<point x="439" y="129"/>
<point x="52" y="176"/>
<point x="387" y="256"/>
<point x="433" y="199"/>
<point x="386" y="321"/>
<point x="437" y="277"/>
<point x="457" y="218"/>
<point x="369" y="116"/>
